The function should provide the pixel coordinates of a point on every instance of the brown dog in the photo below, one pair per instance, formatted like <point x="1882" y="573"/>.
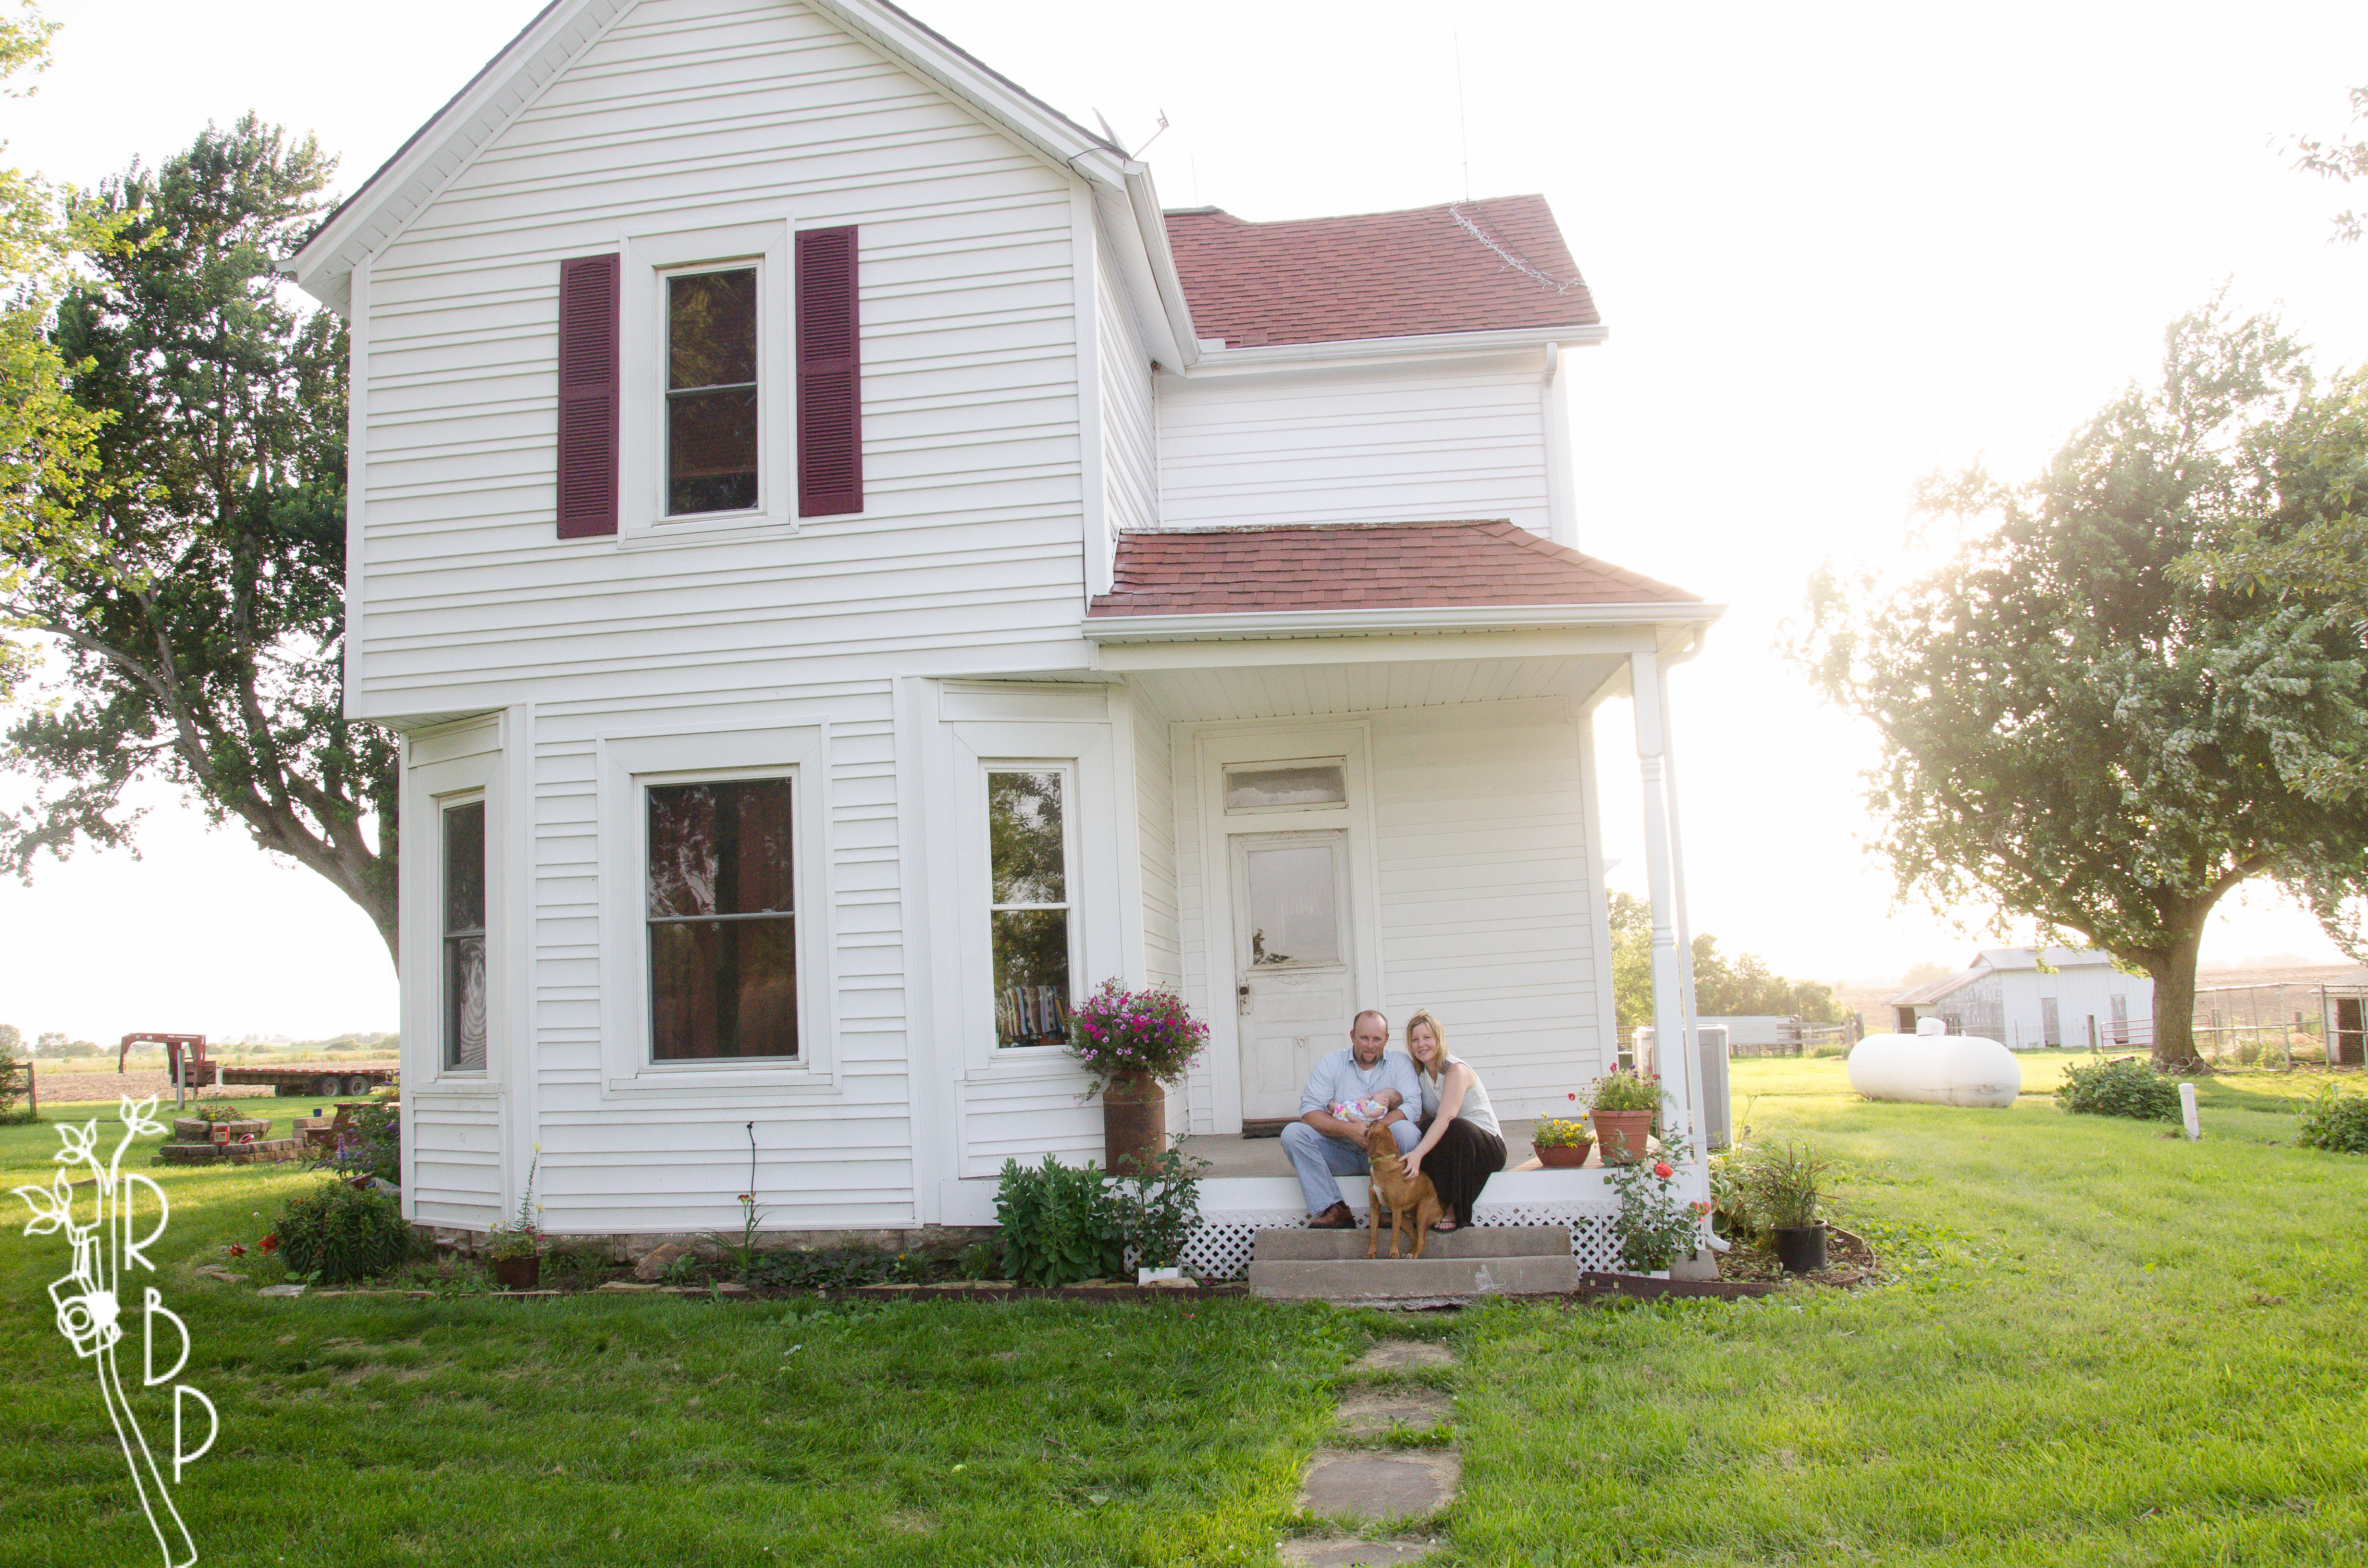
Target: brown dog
<point x="1415" y="1200"/>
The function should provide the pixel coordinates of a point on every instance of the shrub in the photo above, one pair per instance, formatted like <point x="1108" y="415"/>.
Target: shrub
<point x="2125" y="1086"/>
<point x="1059" y="1224"/>
<point x="1655" y="1224"/>
<point x="1784" y="1185"/>
<point x="1155" y="1213"/>
<point x="2336" y="1120"/>
<point x="12" y="1089"/>
<point x="1118" y="1033"/>
<point x="372" y="1143"/>
<point x="338" y="1232"/>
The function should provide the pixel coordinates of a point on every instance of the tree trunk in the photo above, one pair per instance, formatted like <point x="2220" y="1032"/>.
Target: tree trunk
<point x="2173" y="972"/>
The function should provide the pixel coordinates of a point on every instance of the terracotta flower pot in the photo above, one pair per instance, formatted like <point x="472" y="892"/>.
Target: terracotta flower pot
<point x="1134" y="1123"/>
<point x="518" y="1273"/>
<point x="1562" y="1156"/>
<point x="1623" y="1134"/>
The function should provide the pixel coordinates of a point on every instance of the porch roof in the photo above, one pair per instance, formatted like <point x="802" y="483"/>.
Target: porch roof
<point x="1364" y="566"/>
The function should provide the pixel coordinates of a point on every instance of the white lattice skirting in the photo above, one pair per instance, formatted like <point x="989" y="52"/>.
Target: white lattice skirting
<point x="1235" y="1209"/>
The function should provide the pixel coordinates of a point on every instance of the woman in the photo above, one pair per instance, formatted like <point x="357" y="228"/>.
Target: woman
<point x="1459" y="1135"/>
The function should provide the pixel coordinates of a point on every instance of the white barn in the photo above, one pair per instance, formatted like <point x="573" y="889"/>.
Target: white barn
<point x="2029" y="999"/>
<point x="852" y="573"/>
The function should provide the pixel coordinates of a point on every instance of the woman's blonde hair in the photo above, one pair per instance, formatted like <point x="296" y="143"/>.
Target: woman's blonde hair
<point x="1438" y="1032"/>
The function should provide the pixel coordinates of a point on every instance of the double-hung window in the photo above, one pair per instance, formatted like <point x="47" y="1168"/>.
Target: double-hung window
<point x="1029" y="901"/>
<point x="462" y="907"/>
<point x="712" y="390"/>
<point x="721" y="919"/>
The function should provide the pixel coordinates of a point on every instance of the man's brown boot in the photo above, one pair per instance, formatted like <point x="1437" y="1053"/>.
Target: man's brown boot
<point x="1336" y="1218"/>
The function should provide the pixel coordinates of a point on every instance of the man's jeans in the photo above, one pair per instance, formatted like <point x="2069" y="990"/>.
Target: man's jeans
<point x="1319" y="1159"/>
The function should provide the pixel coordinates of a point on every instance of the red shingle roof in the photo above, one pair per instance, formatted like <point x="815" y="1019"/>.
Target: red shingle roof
<point x="1467" y="267"/>
<point x="1362" y="566"/>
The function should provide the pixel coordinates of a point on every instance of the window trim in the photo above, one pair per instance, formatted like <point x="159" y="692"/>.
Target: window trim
<point x="1072" y="878"/>
<point x="650" y="259"/>
<point x="450" y="763"/>
<point x="445" y="805"/>
<point x="625" y="763"/>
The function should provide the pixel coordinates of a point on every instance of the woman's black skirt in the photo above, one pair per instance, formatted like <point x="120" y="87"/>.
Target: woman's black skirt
<point x="1460" y="1165"/>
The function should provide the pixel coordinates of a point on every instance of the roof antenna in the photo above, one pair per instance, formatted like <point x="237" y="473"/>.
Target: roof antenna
<point x="1155" y="135"/>
<point x="1463" y="127"/>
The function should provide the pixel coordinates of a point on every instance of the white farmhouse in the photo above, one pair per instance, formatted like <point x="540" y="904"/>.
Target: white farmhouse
<point x="2028" y="999"/>
<point x="852" y="572"/>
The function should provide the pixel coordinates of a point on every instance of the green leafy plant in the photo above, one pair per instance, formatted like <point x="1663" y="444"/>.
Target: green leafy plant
<point x="1730" y="1200"/>
<point x="2335" y="1120"/>
<point x="1624" y="1088"/>
<point x="1784" y="1185"/>
<point x="741" y="1250"/>
<point x="522" y="1237"/>
<point x="338" y="1232"/>
<point x="1561" y="1132"/>
<point x="1058" y="1224"/>
<point x="1655" y="1224"/>
<point x="218" y="1111"/>
<point x="370" y="1144"/>
<point x="977" y="1261"/>
<point x="2123" y="1087"/>
<point x="13" y="1088"/>
<point x="1156" y="1209"/>
<point x="825" y="1269"/>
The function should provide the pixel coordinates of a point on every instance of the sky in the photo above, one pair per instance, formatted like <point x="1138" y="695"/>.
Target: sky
<point x="1838" y="248"/>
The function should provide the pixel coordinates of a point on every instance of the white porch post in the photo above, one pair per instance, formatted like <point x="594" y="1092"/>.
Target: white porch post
<point x="1673" y="1034"/>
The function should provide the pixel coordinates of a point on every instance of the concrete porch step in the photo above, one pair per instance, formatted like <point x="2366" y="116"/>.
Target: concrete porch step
<point x="1294" y="1244"/>
<point x="1410" y="1281"/>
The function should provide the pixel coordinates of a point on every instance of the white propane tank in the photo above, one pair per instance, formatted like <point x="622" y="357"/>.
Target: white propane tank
<point x="1935" y="1067"/>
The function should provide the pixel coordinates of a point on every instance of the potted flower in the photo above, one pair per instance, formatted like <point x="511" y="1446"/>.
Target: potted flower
<point x="1625" y="1105"/>
<point x="1132" y="1042"/>
<point x="1785" y="1186"/>
<point x="516" y="1249"/>
<point x="1560" y="1142"/>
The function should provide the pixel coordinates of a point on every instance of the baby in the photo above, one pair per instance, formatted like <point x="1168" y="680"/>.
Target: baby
<point x="1369" y="1108"/>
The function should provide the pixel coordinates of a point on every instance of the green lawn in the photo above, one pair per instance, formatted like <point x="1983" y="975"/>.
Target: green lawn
<point x="2100" y="1346"/>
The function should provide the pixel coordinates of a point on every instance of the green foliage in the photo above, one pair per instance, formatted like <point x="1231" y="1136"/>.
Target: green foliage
<point x="522" y="1237"/>
<point x="2333" y="1120"/>
<point x="2084" y="721"/>
<point x="1624" y="1088"/>
<point x="193" y="596"/>
<point x="823" y="1268"/>
<point x="1158" y="1207"/>
<point x="218" y="1111"/>
<point x="1723" y="987"/>
<point x="2123" y="1087"/>
<point x="1784" y="1185"/>
<point x="338" y="1232"/>
<point x="1655" y="1224"/>
<point x="13" y="1085"/>
<point x="1561" y="1132"/>
<point x="977" y="1261"/>
<point x="2340" y="161"/>
<point x="1058" y="1224"/>
<point x="1730" y="1200"/>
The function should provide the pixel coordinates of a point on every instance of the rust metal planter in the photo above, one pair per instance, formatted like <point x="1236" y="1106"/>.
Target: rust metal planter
<point x="1623" y="1134"/>
<point x="518" y="1273"/>
<point x="1134" y="1123"/>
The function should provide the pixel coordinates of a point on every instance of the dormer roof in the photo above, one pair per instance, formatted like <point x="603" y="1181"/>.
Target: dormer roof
<point x="1491" y="265"/>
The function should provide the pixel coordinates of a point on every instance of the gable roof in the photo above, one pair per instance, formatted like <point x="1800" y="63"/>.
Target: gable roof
<point x="1362" y="566"/>
<point x="1466" y="267"/>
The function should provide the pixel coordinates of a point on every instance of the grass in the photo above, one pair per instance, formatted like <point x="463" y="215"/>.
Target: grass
<point x="2099" y="1346"/>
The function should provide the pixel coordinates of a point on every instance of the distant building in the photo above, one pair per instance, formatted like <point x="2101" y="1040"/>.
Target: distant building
<point x="2028" y="999"/>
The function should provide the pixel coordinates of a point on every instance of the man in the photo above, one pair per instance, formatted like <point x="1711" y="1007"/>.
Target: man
<point x="1322" y="1146"/>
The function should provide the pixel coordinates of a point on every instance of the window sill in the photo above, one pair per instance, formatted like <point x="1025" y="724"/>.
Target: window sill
<point x="677" y="1082"/>
<point x="1026" y="1062"/>
<point x="732" y="530"/>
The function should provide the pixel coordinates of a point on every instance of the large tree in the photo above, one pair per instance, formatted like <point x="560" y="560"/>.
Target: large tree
<point x="197" y="610"/>
<point x="2084" y="724"/>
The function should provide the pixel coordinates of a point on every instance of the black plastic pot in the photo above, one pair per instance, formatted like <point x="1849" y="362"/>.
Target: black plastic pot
<point x="1801" y="1248"/>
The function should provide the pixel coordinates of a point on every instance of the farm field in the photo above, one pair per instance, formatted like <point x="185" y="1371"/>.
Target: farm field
<point x="2098" y="1345"/>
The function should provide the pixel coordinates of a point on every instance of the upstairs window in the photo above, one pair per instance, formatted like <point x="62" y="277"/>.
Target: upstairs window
<point x="712" y="391"/>
<point x="722" y="918"/>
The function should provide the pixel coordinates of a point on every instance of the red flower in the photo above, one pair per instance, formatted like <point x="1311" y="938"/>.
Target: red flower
<point x="1574" y="1094"/>
<point x="235" y="1250"/>
<point x="1661" y="1168"/>
<point x="267" y="1245"/>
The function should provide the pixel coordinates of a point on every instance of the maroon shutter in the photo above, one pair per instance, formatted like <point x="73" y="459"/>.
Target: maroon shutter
<point x="830" y="376"/>
<point x="588" y="396"/>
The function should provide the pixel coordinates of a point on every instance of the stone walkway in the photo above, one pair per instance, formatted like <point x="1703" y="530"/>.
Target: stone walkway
<point x="1362" y="1486"/>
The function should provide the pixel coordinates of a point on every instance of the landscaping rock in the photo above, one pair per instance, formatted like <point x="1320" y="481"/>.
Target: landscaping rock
<point x="624" y="1286"/>
<point x="1356" y="1484"/>
<point x="1376" y="1414"/>
<point x="655" y="1262"/>
<point x="732" y="1288"/>
<point x="1343" y="1551"/>
<point x="1391" y="1355"/>
<point x="282" y="1290"/>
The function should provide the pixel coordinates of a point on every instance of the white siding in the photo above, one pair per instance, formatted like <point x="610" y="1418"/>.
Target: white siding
<point x="1395" y="445"/>
<point x="1129" y="441"/>
<point x="1154" y="802"/>
<point x="689" y="113"/>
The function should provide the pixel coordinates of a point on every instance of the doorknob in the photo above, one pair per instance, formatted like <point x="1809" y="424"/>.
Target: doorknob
<point x="1243" y="996"/>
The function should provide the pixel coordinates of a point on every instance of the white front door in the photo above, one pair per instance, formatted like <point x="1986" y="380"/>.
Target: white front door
<point x="1294" y="960"/>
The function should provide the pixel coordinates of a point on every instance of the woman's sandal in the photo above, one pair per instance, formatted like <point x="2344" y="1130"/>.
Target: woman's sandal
<point x="1444" y="1227"/>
